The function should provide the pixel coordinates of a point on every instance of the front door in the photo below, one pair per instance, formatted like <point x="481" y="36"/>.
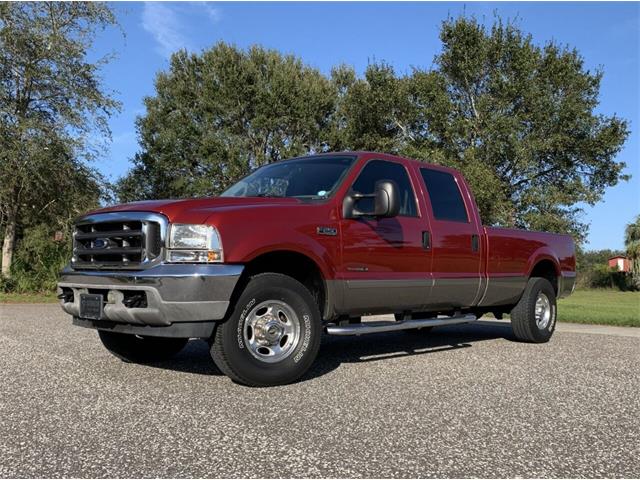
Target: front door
<point x="384" y="263"/>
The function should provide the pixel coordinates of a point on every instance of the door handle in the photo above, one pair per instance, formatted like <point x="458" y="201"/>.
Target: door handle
<point x="426" y="240"/>
<point x="475" y="243"/>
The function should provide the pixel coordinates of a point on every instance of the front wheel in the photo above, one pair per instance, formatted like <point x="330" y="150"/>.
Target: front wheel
<point x="273" y="335"/>
<point x="533" y="319"/>
<point x="135" y="348"/>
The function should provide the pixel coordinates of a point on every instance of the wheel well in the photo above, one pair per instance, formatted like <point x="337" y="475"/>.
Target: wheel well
<point x="546" y="269"/>
<point x="292" y="264"/>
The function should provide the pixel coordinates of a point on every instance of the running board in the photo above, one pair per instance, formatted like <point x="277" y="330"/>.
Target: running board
<point x="375" y="327"/>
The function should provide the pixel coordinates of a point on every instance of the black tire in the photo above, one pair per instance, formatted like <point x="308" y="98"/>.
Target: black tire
<point x="523" y="316"/>
<point x="139" y="349"/>
<point x="237" y="356"/>
<point x="414" y="331"/>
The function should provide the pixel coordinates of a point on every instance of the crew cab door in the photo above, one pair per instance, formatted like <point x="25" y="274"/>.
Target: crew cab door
<point x="456" y="239"/>
<point x="385" y="265"/>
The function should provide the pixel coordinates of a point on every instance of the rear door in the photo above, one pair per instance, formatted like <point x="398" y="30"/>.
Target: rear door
<point x="456" y="239"/>
<point x="384" y="263"/>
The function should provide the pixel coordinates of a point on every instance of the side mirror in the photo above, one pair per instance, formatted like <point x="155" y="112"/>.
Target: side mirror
<point x="386" y="202"/>
<point x="387" y="199"/>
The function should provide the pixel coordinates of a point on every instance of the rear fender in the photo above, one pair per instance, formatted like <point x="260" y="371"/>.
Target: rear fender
<point x="543" y="253"/>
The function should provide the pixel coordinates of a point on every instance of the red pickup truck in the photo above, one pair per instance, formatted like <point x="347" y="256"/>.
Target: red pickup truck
<point x="305" y="246"/>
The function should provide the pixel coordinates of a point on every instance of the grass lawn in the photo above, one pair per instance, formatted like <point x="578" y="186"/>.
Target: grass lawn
<point x="28" y="298"/>
<point x="604" y="307"/>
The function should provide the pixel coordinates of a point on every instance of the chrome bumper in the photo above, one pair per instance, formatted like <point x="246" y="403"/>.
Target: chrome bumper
<point x="174" y="293"/>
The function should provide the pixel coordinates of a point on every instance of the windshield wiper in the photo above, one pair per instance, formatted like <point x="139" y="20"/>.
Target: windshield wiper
<point x="264" y="194"/>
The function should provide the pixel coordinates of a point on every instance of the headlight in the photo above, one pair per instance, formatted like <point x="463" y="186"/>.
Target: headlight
<point x="194" y="244"/>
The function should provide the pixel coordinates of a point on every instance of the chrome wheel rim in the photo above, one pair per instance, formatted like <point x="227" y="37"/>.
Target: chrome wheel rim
<point x="271" y="331"/>
<point x="543" y="311"/>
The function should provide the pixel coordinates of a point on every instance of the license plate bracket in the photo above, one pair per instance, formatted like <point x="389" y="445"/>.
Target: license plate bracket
<point x="91" y="306"/>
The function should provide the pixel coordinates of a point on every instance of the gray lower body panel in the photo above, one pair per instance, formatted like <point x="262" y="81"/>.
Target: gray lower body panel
<point x="454" y="292"/>
<point x="359" y="297"/>
<point x="420" y="295"/>
<point x="566" y="284"/>
<point x="174" y="293"/>
<point x="503" y="291"/>
<point x="381" y="296"/>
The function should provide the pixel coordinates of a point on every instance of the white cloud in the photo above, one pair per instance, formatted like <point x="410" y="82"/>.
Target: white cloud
<point x="164" y="21"/>
<point x="161" y="21"/>
<point x="212" y="12"/>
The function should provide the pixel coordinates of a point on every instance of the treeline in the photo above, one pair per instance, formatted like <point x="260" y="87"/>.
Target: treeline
<point x="53" y="123"/>
<point x="517" y="117"/>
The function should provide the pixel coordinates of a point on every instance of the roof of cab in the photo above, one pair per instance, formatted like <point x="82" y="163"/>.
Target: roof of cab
<point x="383" y="156"/>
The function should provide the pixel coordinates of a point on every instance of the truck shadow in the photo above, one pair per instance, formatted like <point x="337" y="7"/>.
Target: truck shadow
<point x="335" y="351"/>
<point x="384" y="346"/>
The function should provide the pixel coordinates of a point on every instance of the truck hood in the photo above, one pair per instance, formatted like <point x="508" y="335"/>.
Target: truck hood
<point x="194" y="208"/>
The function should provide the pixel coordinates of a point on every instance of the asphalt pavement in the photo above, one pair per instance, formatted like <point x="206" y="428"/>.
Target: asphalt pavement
<point x="464" y="401"/>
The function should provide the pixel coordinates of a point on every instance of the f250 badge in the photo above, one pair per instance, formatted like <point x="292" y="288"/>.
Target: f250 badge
<point x="331" y="231"/>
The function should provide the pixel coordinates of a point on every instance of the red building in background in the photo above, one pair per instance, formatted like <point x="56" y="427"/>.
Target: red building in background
<point x="622" y="263"/>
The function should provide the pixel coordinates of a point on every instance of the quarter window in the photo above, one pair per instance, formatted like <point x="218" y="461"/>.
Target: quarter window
<point x="377" y="170"/>
<point x="446" y="201"/>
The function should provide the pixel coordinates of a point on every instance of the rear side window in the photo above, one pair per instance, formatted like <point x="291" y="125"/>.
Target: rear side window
<point x="377" y="170"/>
<point x="444" y="194"/>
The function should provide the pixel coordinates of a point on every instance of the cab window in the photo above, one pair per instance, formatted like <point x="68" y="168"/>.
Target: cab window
<point x="446" y="200"/>
<point x="377" y="170"/>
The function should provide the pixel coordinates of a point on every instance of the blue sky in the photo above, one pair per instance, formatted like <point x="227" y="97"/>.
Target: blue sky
<point x="402" y="34"/>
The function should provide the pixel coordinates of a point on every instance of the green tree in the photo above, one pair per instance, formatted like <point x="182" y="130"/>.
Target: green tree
<point x="517" y="118"/>
<point x="52" y="107"/>
<point x="632" y="245"/>
<point x="217" y="115"/>
<point x="372" y="113"/>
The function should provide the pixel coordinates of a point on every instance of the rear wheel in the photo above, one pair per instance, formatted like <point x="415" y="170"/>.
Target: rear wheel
<point x="273" y="335"/>
<point x="136" y="348"/>
<point x="533" y="319"/>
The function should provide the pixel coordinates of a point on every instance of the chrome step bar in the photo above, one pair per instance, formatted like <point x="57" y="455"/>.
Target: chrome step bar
<point x="383" y="326"/>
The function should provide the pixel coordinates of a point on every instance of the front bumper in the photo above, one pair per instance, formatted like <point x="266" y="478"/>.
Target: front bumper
<point x="175" y="294"/>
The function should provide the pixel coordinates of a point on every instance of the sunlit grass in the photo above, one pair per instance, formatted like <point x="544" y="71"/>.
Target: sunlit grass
<point x="604" y="307"/>
<point x="28" y="298"/>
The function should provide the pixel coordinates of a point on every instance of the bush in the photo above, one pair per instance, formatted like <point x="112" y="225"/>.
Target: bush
<point x="7" y="284"/>
<point x="603" y="276"/>
<point x="38" y="260"/>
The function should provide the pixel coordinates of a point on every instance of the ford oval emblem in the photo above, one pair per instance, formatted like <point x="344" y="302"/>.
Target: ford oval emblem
<point x="100" y="243"/>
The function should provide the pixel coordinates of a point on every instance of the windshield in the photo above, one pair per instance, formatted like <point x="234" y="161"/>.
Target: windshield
<point x="310" y="177"/>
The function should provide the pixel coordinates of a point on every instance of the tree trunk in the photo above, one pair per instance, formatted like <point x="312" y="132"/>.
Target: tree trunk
<point x="9" y="243"/>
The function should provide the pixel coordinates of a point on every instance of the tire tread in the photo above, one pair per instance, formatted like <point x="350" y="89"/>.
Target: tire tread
<point x="522" y="319"/>
<point x="217" y="343"/>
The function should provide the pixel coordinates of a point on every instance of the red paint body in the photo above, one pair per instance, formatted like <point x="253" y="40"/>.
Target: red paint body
<point x="390" y="248"/>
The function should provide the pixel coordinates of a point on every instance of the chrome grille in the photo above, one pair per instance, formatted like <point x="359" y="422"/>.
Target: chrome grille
<point x="118" y="240"/>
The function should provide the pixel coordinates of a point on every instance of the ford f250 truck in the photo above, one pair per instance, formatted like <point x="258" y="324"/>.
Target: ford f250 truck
<point x="303" y="247"/>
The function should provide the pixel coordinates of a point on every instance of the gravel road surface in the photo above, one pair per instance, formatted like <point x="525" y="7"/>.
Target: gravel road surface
<point x="464" y="401"/>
